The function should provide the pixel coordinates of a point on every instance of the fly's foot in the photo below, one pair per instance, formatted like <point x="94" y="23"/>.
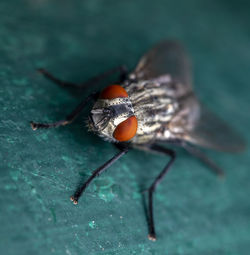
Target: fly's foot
<point x="152" y="237"/>
<point x="33" y="125"/>
<point x="74" y="200"/>
<point x="221" y="176"/>
<point x="36" y="126"/>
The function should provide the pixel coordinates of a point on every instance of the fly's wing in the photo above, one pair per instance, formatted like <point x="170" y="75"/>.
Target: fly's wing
<point x="207" y="130"/>
<point x="166" y="58"/>
<point x="212" y="132"/>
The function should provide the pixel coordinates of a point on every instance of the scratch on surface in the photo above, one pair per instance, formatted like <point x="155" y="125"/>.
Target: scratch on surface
<point x="92" y="224"/>
<point x="68" y="251"/>
<point x="63" y="187"/>
<point x="105" y="188"/>
<point x="15" y="175"/>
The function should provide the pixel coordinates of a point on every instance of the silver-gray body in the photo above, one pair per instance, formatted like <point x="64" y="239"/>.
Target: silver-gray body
<point x="164" y="111"/>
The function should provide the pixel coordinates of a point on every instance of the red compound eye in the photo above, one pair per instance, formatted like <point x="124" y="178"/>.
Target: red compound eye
<point x="113" y="91"/>
<point x="126" y="129"/>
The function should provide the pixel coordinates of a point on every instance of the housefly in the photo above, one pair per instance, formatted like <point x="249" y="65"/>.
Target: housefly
<point x="152" y="106"/>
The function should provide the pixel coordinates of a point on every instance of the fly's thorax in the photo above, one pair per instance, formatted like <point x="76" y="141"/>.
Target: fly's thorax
<point x="107" y="114"/>
<point x="153" y="107"/>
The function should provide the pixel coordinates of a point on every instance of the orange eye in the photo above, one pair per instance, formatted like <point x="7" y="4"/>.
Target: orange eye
<point x="113" y="91"/>
<point x="126" y="129"/>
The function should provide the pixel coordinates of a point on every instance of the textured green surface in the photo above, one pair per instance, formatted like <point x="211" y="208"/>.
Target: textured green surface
<point x="195" y="212"/>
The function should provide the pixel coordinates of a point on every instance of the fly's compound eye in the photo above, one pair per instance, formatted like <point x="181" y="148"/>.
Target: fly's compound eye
<point x="126" y="129"/>
<point x="113" y="91"/>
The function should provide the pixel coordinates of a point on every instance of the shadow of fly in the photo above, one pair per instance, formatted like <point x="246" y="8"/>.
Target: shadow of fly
<point x="153" y="106"/>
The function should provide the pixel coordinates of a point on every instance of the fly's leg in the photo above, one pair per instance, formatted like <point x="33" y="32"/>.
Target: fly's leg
<point x="59" y="82"/>
<point x="203" y="158"/>
<point x="151" y="189"/>
<point x="68" y="119"/>
<point x="121" y="69"/>
<point x="96" y="173"/>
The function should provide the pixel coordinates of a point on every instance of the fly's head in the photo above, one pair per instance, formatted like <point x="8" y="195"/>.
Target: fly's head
<point x="112" y="116"/>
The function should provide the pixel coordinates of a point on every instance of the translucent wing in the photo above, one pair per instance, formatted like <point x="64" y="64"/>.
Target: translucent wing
<point x="166" y="58"/>
<point x="193" y="123"/>
<point x="212" y="132"/>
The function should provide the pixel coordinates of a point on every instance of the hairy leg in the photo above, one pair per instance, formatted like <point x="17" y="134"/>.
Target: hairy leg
<point x="97" y="172"/>
<point x="69" y="118"/>
<point x="122" y="70"/>
<point x="151" y="189"/>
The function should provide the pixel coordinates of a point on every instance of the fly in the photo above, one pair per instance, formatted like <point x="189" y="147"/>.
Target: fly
<point x="152" y="106"/>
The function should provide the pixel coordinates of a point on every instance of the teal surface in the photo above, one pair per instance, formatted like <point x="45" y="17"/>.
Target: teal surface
<point x="195" y="212"/>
